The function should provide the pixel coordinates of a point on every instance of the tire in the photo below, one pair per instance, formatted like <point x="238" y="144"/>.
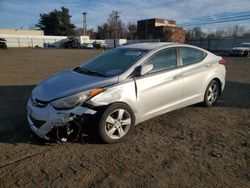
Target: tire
<point x="116" y="123"/>
<point x="212" y="93"/>
<point x="246" y="54"/>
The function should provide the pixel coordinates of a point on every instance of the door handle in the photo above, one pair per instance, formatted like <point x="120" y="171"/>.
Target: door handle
<point x="177" y="76"/>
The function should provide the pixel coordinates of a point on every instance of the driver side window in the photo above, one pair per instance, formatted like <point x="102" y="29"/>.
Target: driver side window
<point x="163" y="60"/>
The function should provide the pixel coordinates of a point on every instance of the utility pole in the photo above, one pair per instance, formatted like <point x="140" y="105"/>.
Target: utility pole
<point x="116" y="16"/>
<point x="84" y="23"/>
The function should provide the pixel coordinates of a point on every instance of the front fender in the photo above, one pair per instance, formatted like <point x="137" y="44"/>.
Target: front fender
<point x="122" y="92"/>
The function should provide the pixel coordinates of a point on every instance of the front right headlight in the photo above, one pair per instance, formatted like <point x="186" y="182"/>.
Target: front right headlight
<point x="75" y="100"/>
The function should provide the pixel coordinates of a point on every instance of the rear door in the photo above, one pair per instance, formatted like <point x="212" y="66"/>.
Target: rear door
<point x="161" y="88"/>
<point x="195" y="71"/>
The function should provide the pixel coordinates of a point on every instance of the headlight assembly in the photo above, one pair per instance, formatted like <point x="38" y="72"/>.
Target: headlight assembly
<point x="75" y="100"/>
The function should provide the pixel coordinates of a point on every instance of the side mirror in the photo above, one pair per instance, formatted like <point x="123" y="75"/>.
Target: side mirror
<point x="146" y="69"/>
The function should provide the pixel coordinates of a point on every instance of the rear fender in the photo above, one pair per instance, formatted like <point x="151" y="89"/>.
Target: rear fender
<point x="215" y="75"/>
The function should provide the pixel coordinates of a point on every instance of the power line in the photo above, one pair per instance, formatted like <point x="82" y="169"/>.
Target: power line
<point x="218" y="21"/>
<point x="221" y="20"/>
<point x="219" y="16"/>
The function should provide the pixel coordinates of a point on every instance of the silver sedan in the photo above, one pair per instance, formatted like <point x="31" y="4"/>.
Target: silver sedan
<point x="123" y="87"/>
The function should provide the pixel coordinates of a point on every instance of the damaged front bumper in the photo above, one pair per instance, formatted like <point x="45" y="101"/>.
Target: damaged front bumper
<point x="43" y="120"/>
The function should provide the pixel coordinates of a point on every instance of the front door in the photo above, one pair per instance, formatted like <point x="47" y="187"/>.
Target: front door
<point x="160" y="90"/>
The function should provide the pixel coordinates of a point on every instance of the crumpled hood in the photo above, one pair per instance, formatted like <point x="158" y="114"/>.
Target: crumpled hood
<point x="68" y="83"/>
<point x="241" y="48"/>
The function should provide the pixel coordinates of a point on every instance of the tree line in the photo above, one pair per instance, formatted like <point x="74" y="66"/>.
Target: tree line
<point x="229" y="31"/>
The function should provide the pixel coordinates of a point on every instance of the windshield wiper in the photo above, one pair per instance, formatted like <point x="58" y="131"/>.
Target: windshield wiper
<point x="96" y="73"/>
<point x="90" y="72"/>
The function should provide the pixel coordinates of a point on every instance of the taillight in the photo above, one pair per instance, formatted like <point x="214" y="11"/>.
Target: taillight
<point x="223" y="62"/>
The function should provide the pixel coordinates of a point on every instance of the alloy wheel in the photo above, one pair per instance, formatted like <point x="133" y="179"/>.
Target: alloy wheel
<point x="213" y="93"/>
<point x="118" y="124"/>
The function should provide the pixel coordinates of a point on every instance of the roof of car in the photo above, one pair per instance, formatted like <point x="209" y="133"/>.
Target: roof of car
<point x="148" y="45"/>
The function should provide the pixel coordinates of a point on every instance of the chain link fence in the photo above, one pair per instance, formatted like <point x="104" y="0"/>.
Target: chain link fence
<point x="219" y="44"/>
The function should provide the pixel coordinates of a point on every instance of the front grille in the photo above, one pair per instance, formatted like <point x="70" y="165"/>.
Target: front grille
<point x="37" y="123"/>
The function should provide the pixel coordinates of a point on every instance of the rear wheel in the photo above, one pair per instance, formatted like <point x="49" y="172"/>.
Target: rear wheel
<point x="246" y="54"/>
<point x="212" y="93"/>
<point x="116" y="123"/>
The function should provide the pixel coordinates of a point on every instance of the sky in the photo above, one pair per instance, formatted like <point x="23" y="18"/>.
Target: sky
<point x="25" y="13"/>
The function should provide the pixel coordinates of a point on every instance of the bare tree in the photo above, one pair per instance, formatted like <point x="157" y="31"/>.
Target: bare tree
<point x="103" y="32"/>
<point x="234" y="31"/>
<point x="113" y="28"/>
<point x="247" y="32"/>
<point x="91" y="32"/>
<point x="131" y="30"/>
<point x="195" y="33"/>
<point x="219" y="32"/>
<point x="229" y="31"/>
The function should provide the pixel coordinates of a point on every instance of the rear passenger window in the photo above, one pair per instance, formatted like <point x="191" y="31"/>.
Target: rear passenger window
<point x="163" y="60"/>
<point x="191" y="55"/>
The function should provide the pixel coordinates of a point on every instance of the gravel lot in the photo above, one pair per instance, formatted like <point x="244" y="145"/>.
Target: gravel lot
<point x="191" y="147"/>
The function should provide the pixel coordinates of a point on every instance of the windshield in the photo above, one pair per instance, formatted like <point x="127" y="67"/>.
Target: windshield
<point x="113" y="62"/>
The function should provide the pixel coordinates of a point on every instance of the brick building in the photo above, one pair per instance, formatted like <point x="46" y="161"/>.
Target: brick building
<point x="155" y="28"/>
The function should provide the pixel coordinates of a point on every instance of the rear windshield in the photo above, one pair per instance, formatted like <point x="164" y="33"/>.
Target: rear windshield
<point x="113" y="62"/>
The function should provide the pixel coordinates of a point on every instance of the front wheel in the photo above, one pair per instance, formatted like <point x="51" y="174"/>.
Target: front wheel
<point x="212" y="93"/>
<point x="116" y="123"/>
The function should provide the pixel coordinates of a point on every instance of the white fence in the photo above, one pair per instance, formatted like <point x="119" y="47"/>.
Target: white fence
<point x="32" y="41"/>
<point x="219" y="44"/>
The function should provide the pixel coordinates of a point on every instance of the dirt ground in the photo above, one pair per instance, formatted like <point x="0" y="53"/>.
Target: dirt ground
<point x="191" y="147"/>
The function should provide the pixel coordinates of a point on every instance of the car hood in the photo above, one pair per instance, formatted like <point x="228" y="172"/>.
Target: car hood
<point x="68" y="83"/>
<point x="241" y="48"/>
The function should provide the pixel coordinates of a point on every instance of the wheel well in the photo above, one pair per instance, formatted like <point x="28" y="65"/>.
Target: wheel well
<point x="120" y="102"/>
<point x="102" y="108"/>
<point x="220" y="84"/>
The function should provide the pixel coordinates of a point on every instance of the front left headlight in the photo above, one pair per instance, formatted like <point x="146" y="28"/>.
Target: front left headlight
<point x="75" y="100"/>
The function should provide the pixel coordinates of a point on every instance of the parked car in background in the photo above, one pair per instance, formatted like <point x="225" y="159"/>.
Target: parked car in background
<point x="3" y="43"/>
<point x="49" y="45"/>
<point x="242" y="50"/>
<point x="99" y="44"/>
<point x="71" y="42"/>
<point x="123" y="87"/>
<point x="87" y="45"/>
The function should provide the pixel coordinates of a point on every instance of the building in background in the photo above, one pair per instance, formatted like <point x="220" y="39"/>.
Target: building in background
<point x="165" y="30"/>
